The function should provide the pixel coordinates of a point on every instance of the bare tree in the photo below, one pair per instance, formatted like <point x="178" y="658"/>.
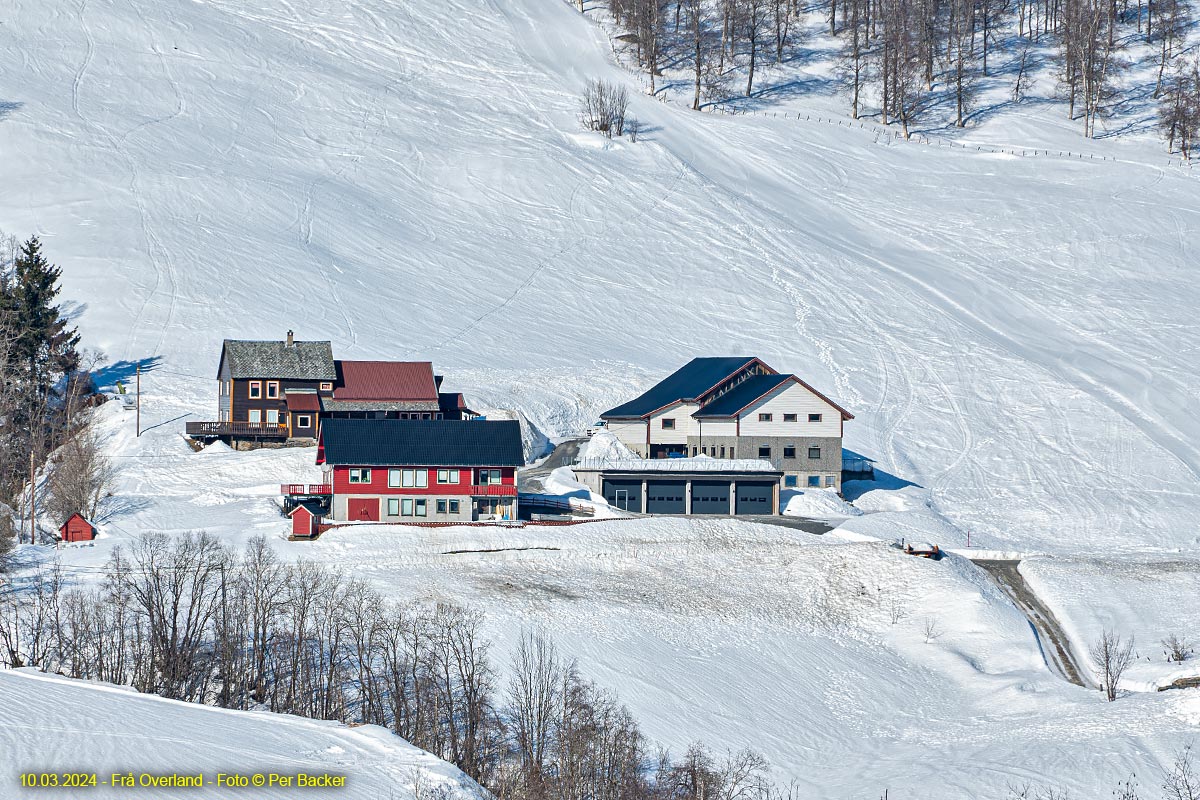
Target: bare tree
<point x="603" y="108"/>
<point x="1177" y="648"/>
<point x="534" y="696"/>
<point x="1182" y="781"/>
<point x="82" y="478"/>
<point x="1111" y="656"/>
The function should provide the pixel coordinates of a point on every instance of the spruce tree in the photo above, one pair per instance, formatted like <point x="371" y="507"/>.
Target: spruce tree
<point x="44" y="346"/>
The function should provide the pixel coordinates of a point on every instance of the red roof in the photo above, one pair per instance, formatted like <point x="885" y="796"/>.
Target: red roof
<point x="385" y="380"/>
<point x="303" y="401"/>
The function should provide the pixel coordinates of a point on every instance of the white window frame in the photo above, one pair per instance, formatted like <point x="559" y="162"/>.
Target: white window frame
<point x="442" y="506"/>
<point x="450" y="476"/>
<point x="303" y="420"/>
<point x="455" y="506"/>
<point x="830" y="481"/>
<point x="422" y="479"/>
<point x="393" y="506"/>
<point x="794" y="417"/>
<point x="422" y="507"/>
<point x="406" y="507"/>
<point x="668" y="423"/>
<point x="363" y="475"/>
<point x="408" y="478"/>
<point x="254" y="416"/>
<point x="393" y="478"/>
<point x="254" y="390"/>
<point x="272" y="412"/>
<point x="766" y="416"/>
<point x="814" y="417"/>
<point x="273" y="386"/>
<point x="326" y="386"/>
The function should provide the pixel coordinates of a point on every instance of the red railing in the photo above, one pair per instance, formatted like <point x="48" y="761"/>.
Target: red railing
<point x="494" y="490"/>
<point x="300" y="488"/>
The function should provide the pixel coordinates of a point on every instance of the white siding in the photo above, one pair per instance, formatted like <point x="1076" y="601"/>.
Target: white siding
<point x="631" y="434"/>
<point x="684" y="425"/>
<point x="717" y="427"/>
<point x="791" y="398"/>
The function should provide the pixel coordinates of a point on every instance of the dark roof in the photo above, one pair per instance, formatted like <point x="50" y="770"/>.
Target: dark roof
<point x="453" y="401"/>
<point x="385" y="380"/>
<point x="73" y="516"/>
<point x="303" y="361"/>
<point x="314" y="507"/>
<point x="430" y="443"/>
<point x="742" y="395"/>
<point x="687" y="383"/>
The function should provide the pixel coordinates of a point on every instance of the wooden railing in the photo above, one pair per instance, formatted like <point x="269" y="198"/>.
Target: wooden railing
<point x="301" y="488"/>
<point x="494" y="490"/>
<point x="271" y="429"/>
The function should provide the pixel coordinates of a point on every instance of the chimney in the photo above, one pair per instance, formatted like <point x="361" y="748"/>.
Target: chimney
<point x="291" y="339"/>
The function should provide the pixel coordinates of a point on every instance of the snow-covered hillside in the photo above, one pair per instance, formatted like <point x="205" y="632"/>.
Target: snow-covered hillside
<point x="51" y="724"/>
<point x="1015" y="335"/>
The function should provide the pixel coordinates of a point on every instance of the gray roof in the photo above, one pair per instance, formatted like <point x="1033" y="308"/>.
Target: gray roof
<point x="304" y="361"/>
<point x="330" y="404"/>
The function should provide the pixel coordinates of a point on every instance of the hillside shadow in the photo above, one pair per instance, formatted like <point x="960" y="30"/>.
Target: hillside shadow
<point x="854" y="489"/>
<point x="7" y="107"/>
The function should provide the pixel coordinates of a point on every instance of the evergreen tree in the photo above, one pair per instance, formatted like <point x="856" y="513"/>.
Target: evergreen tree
<point x="43" y="346"/>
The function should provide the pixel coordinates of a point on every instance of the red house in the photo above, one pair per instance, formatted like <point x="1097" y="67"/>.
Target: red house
<point x="306" y="517"/>
<point x="77" y="529"/>
<point x="394" y="470"/>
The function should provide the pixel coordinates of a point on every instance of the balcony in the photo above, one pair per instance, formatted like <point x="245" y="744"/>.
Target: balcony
<point x="266" y="430"/>
<point x="494" y="490"/>
<point x="301" y="489"/>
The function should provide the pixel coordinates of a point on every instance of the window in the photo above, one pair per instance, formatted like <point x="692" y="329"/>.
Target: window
<point x="409" y="478"/>
<point x="393" y="478"/>
<point x="272" y="417"/>
<point x="360" y="475"/>
<point x="393" y="506"/>
<point x="255" y="390"/>
<point x="790" y="481"/>
<point x="668" y="424"/>
<point x="733" y="452"/>
<point x="303" y="421"/>
<point x="722" y="451"/>
<point x="441" y="506"/>
<point x="326" y="386"/>
<point x="273" y="390"/>
<point x="488" y="477"/>
<point x="764" y="417"/>
<point x="814" y="417"/>
<point x="693" y="452"/>
<point x="254" y="415"/>
<point x="447" y="476"/>
<point x="224" y="388"/>
<point x="764" y="451"/>
<point x="406" y="506"/>
<point x="814" y="481"/>
<point x="454" y="506"/>
<point x="421" y="508"/>
<point x="422" y="478"/>
<point x="789" y="451"/>
<point x="789" y="417"/>
<point x="831" y="480"/>
<point x="814" y="452"/>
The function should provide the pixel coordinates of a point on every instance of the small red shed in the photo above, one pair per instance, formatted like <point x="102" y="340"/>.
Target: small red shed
<point x="77" y="529"/>
<point x="306" y="516"/>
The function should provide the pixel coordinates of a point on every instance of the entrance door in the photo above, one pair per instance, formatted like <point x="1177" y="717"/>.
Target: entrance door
<point x="363" y="508"/>
<point x="624" y="494"/>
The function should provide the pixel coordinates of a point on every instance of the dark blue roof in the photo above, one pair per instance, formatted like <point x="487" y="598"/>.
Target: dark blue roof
<point x="741" y="395"/>
<point x="427" y="443"/>
<point x="686" y="383"/>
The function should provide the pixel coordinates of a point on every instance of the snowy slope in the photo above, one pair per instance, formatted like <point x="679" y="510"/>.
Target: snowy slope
<point x="1016" y="335"/>
<point x="56" y="724"/>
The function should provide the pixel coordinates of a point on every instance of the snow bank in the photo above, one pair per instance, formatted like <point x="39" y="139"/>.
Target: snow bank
<point x="816" y="504"/>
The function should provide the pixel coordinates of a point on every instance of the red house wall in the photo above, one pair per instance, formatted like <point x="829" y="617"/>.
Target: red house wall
<point x="302" y="523"/>
<point x="77" y="530"/>
<point x="379" y="481"/>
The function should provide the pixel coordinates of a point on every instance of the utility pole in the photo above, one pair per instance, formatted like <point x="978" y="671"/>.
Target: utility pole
<point x="32" y="499"/>
<point x="139" y="398"/>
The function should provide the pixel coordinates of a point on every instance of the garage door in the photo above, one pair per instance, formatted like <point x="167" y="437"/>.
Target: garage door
<point x="710" y="497"/>
<point x="755" y="498"/>
<point x="624" y="494"/>
<point x="666" y="497"/>
<point x="363" y="508"/>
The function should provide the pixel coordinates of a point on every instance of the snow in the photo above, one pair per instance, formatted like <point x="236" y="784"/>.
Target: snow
<point x="816" y="504"/>
<point x="1015" y="336"/>
<point x="56" y="724"/>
